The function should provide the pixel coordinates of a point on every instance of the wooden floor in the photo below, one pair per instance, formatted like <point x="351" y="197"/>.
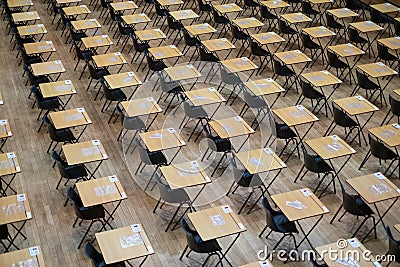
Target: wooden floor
<point x="51" y="226"/>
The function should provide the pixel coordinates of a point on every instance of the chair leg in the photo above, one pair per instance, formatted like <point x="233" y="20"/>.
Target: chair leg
<point x="334" y="216"/>
<point x="183" y="252"/>
<point x="173" y="217"/>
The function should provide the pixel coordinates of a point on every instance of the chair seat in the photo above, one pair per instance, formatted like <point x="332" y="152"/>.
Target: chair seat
<point x="223" y="144"/>
<point x="157" y="158"/>
<point x="64" y="135"/>
<point x="284" y="225"/>
<point x="285" y="132"/>
<point x="364" y="208"/>
<point x="117" y="95"/>
<point x="206" y="246"/>
<point x="102" y="72"/>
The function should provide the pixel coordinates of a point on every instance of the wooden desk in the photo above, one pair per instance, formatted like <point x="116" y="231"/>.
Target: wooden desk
<point x="346" y="50"/>
<point x="100" y="191"/>
<point x="85" y="24"/>
<point x="140" y="107"/>
<point x="260" y="160"/>
<point x="183" y="14"/>
<point x="216" y="222"/>
<point x="96" y="41"/>
<point x="228" y="8"/>
<point x="355" y="105"/>
<point x="166" y="3"/>
<point x="321" y="78"/>
<point x="267" y="38"/>
<point x="31" y="256"/>
<point x="162" y="139"/>
<point x="206" y="96"/>
<point x="388" y="134"/>
<point x="374" y="187"/>
<point x="377" y="70"/>
<point x="214" y="45"/>
<point x="231" y="127"/>
<point x="275" y="4"/>
<point x="239" y="64"/>
<point x="353" y="246"/>
<point x="19" y="3"/>
<point x="123" y="6"/>
<point x="266" y="263"/>
<point x="314" y="206"/>
<point x="135" y="19"/>
<point x="263" y="87"/>
<point x="39" y="47"/>
<point x="391" y="43"/>
<point x="74" y="11"/>
<point x="5" y="130"/>
<point x="48" y="68"/>
<point x="69" y="118"/>
<point x="109" y="60"/>
<point x="55" y="89"/>
<point x="292" y="57"/>
<point x="124" y="244"/>
<point x="319" y="32"/>
<point x="15" y="209"/>
<point x="84" y="152"/>
<point x="186" y="174"/>
<point x="122" y="80"/>
<point x="164" y="52"/>
<point x="386" y="8"/>
<point x="199" y="29"/>
<point x="9" y="164"/>
<point x="330" y="147"/>
<point x="148" y="35"/>
<point x="294" y="18"/>
<point x="247" y="23"/>
<point x="1" y="99"/>
<point x="342" y="13"/>
<point x="31" y="30"/>
<point x="183" y="72"/>
<point x="25" y="16"/>
<point x="296" y="115"/>
<point x="67" y="2"/>
<point x="366" y="26"/>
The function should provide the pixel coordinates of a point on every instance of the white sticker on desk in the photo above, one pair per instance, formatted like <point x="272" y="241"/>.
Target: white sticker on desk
<point x="189" y="66"/>
<point x="57" y="61"/>
<point x="34" y="251"/>
<point x="211" y="89"/>
<point x="353" y="243"/>
<point x="226" y="209"/>
<point x="40" y="25"/>
<point x="92" y="19"/>
<point x="113" y="179"/>
<point x="245" y="58"/>
<point x="67" y="82"/>
<point x="3" y="122"/>
<point x="194" y="164"/>
<point x="10" y="155"/>
<point x="157" y="30"/>
<point x="349" y="44"/>
<point x="105" y="156"/>
<point x="150" y="99"/>
<point x="241" y="226"/>
<point x="150" y="249"/>
<point x="209" y="180"/>
<point x="123" y="195"/>
<point x="395" y="125"/>
<point x="325" y="72"/>
<point x="380" y="64"/>
<point x="28" y="215"/>
<point x="305" y="192"/>
<point x="49" y="42"/>
<point x="9" y="133"/>
<point x="18" y="168"/>
<point x="359" y="97"/>
<point x="95" y="142"/>
<point x="300" y="107"/>
<point x="135" y="228"/>
<point x="379" y="175"/>
<point x="325" y="209"/>
<point x="268" y="151"/>
<point x="117" y="53"/>
<point x="21" y="197"/>
<point x="80" y="110"/>
<point x="352" y="150"/>
<point x="297" y="51"/>
<point x="131" y="74"/>
<point x="171" y="130"/>
<point x="335" y="137"/>
<point x="237" y="118"/>
<point x="263" y="264"/>
<point x="104" y="36"/>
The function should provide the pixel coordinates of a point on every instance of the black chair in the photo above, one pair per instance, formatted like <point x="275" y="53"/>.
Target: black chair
<point x="292" y="35"/>
<point x="204" y="8"/>
<point x="307" y="9"/>
<point x="257" y="51"/>
<point x="174" y="25"/>
<point x="393" y="111"/>
<point x="313" y="47"/>
<point x="385" y="56"/>
<point x="250" y="4"/>
<point x="381" y="152"/>
<point x="64" y="20"/>
<point x="394" y="247"/>
<point x="28" y="59"/>
<point x="95" y="73"/>
<point x="44" y="104"/>
<point x="308" y="92"/>
<point x="337" y="27"/>
<point x="93" y="213"/>
<point x="196" y="244"/>
<point x="277" y="222"/>
<point x="161" y="13"/>
<point x="189" y="42"/>
<point x="111" y="95"/>
<point x="355" y="205"/>
<point x="220" y="20"/>
<point x="153" y="64"/>
<point x="284" y="132"/>
<point x="397" y="28"/>
<point x="140" y="49"/>
<point x="170" y="88"/>
<point x="339" y="65"/>
<point x="32" y="79"/>
<point x="228" y="78"/>
<point x="75" y="35"/>
<point x="115" y="18"/>
<point x="104" y="6"/>
<point x="81" y="55"/>
<point x="218" y="145"/>
<point x="126" y="31"/>
<point x="287" y="73"/>
<point x="97" y="258"/>
<point x="58" y="136"/>
<point x="266" y="16"/>
<point x="5" y="235"/>
<point x="315" y="164"/>
<point x="243" y="37"/>
<point x="363" y="82"/>
<point x="69" y="172"/>
<point x="340" y="118"/>
<point x="356" y="38"/>
<point x="357" y="6"/>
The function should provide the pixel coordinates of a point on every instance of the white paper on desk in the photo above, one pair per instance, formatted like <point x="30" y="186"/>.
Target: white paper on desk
<point x="156" y="135"/>
<point x="21" y="197"/>
<point x="113" y="179"/>
<point x="136" y="228"/>
<point x="130" y="241"/>
<point x="10" y="155"/>
<point x="226" y="209"/>
<point x="255" y="161"/>
<point x="28" y="263"/>
<point x="348" y="262"/>
<point x="305" y="192"/>
<point x="217" y="220"/>
<point x="105" y="190"/>
<point x="34" y="251"/>
<point x="379" y="175"/>
<point x="296" y="204"/>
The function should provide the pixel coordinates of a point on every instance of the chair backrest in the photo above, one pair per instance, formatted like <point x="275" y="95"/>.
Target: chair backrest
<point x="354" y="36"/>
<point x="189" y="40"/>
<point x="306" y="8"/>
<point x="364" y="82"/>
<point x="341" y="118"/>
<point x="383" y="52"/>
<point x="154" y="65"/>
<point x="238" y="34"/>
<point x="283" y="131"/>
<point x="266" y="14"/>
<point x="144" y="157"/>
<point x="308" y="91"/>
<point x="194" y="112"/>
<point x="190" y="236"/>
<point x="133" y="123"/>
<point x="3" y="232"/>
<point x="308" y="43"/>
<point x="254" y="101"/>
<point x="270" y="213"/>
<point x="331" y="22"/>
<point x="92" y="69"/>
<point x="394" y="105"/>
<point x="379" y="150"/>
<point x="284" y="28"/>
<point x="333" y="59"/>
<point x="170" y="195"/>
<point x="351" y="203"/>
<point x="75" y="198"/>
<point x="257" y="50"/>
<point x="278" y="67"/>
<point x="397" y="28"/>
<point x="394" y="245"/>
<point x="106" y="90"/>
<point x="314" y="163"/>
<point x="229" y="78"/>
<point x="206" y="56"/>
<point x="93" y="255"/>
